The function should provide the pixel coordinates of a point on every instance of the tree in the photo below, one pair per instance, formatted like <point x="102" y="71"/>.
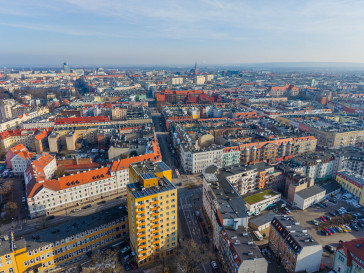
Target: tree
<point x="191" y="256"/>
<point x="133" y="153"/>
<point x="60" y="171"/>
<point x="106" y="261"/>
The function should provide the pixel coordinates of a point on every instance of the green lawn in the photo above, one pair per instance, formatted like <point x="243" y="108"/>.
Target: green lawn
<point x="259" y="196"/>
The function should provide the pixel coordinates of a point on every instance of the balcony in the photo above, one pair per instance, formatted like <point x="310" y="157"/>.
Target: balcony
<point x="140" y="206"/>
<point x="154" y="214"/>
<point x="155" y="236"/>
<point x="141" y="229"/>
<point x="155" y="247"/>
<point x="155" y="226"/>
<point x="142" y="241"/>
<point x="156" y="242"/>
<point x="154" y="208"/>
<point x="140" y="211"/>
<point x="154" y="203"/>
<point x="141" y="217"/>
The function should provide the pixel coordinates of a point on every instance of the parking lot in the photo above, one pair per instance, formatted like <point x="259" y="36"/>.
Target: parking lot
<point x="305" y="219"/>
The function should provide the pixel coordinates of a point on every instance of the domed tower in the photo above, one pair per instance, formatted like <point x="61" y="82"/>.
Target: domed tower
<point x="289" y="148"/>
<point x="283" y="149"/>
<point x="254" y="154"/>
<point x="246" y="154"/>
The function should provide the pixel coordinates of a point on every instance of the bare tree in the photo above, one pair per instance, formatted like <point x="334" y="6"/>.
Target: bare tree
<point x="191" y="256"/>
<point x="106" y="261"/>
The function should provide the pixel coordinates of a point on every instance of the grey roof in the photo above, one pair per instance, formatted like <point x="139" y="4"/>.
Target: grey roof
<point x="231" y="203"/>
<point x="295" y="235"/>
<point x="262" y="219"/>
<point x="311" y="191"/>
<point x="66" y="229"/>
<point x="243" y="244"/>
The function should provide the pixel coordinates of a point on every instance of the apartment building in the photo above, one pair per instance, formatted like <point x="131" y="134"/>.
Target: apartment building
<point x="349" y="158"/>
<point x="194" y="161"/>
<point x="18" y="158"/>
<point x="277" y="150"/>
<point x="45" y="196"/>
<point x="69" y="242"/>
<point x="318" y="166"/>
<point x="349" y="256"/>
<point x="294" y="246"/>
<point x="152" y="210"/>
<point x="225" y="211"/>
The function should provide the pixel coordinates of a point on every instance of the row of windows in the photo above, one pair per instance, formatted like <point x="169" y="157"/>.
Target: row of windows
<point x="69" y="255"/>
<point x="77" y="236"/>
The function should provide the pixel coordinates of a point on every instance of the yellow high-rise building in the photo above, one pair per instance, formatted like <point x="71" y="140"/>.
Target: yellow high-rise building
<point x="152" y="211"/>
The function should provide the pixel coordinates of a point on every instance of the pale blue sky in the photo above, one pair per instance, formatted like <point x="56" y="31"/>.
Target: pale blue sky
<point x="180" y="32"/>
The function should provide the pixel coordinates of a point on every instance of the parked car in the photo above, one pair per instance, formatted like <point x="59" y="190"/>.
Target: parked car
<point x="315" y="222"/>
<point x="332" y="230"/>
<point x="354" y="227"/>
<point x="328" y="231"/>
<point x="76" y="209"/>
<point x="214" y="265"/>
<point x="125" y="249"/>
<point x="329" y="248"/>
<point x="50" y="217"/>
<point x="332" y="213"/>
<point x="323" y="219"/>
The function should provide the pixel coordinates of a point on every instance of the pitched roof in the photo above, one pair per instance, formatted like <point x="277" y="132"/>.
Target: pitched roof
<point x="70" y="181"/>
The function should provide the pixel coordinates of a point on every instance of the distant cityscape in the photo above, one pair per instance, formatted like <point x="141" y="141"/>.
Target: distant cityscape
<point x="233" y="169"/>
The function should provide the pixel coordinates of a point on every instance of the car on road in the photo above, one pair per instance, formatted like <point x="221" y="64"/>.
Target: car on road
<point x="101" y="202"/>
<point x="125" y="249"/>
<point x="50" y="217"/>
<point x="329" y="248"/>
<point x="214" y="265"/>
<point x="86" y="207"/>
<point x="74" y="210"/>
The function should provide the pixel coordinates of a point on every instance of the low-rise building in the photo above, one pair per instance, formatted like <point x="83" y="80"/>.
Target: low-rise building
<point x="352" y="183"/>
<point x="258" y="202"/>
<point x="294" y="246"/>
<point x="67" y="243"/>
<point x="349" y="257"/>
<point x="308" y="197"/>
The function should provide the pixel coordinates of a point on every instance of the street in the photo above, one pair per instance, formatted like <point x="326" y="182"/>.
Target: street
<point x="190" y="201"/>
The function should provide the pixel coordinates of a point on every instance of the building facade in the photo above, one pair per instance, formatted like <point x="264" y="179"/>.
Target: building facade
<point x="294" y="246"/>
<point x="152" y="210"/>
<point x="349" y="257"/>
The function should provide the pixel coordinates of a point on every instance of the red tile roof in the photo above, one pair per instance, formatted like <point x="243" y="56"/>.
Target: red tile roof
<point x="78" y="120"/>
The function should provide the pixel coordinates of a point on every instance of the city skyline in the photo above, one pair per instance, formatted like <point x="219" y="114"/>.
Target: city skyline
<point x="176" y="33"/>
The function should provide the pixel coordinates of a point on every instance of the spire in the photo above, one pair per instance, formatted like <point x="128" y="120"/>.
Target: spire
<point x="196" y="69"/>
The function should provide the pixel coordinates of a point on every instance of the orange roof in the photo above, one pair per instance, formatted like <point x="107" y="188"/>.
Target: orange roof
<point x="124" y="163"/>
<point x="18" y="148"/>
<point x="82" y="120"/>
<point x="71" y="181"/>
<point x="41" y="135"/>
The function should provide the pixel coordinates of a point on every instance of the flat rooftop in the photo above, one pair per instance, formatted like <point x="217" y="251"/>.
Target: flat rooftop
<point x="139" y="191"/>
<point x="258" y="197"/>
<point x="311" y="191"/>
<point x="146" y="167"/>
<point x="66" y="229"/>
<point x="230" y="202"/>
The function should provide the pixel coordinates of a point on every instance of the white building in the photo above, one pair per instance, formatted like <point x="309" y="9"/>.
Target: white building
<point x="308" y="197"/>
<point x="48" y="196"/>
<point x="260" y="201"/>
<point x="195" y="160"/>
<point x="177" y="81"/>
<point x="199" y="80"/>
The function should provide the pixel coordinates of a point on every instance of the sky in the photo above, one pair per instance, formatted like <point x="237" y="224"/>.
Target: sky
<point x="169" y="32"/>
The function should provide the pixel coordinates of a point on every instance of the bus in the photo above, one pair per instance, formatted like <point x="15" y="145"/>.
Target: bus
<point x="258" y="235"/>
